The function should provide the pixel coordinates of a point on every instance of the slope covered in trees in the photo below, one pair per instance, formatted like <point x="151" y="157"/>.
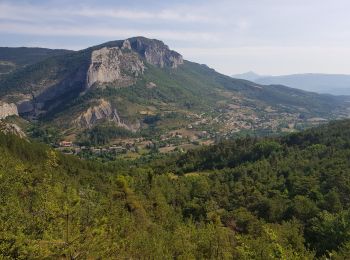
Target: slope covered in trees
<point x="282" y="198"/>
<point x="14" y="58"/>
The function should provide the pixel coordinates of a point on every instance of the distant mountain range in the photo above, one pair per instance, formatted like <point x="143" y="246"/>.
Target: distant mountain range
<point x="139" y="87"/>
<point x="335" y="84"/>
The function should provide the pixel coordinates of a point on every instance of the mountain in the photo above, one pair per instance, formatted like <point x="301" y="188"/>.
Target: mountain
<point x="335" y="84"/>
<point x="250" y="75"/>
<point x="138" y="87"/>
<point x="14" y="58"/>
<point x="246" y="198"/>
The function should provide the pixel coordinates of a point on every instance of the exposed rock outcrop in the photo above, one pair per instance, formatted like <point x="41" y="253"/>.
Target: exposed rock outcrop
<point x="112" y="65"/>
<point x="7" y="109"/>
<point x="103" y="111"/>
<point x="126" y="45"/>
<point x="120" y="63"/>
<point x="9" y="128"/>
<point x="151" y="85"/>
<point x="156" y="52"/>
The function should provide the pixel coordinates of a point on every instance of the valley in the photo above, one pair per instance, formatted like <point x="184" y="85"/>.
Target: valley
<point x="124" y="134"/>
<point x="121" y="92"/>
<point x="260" y="198"/>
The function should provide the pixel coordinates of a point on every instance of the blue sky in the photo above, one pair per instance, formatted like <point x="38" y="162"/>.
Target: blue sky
<point x="267" y="36"/>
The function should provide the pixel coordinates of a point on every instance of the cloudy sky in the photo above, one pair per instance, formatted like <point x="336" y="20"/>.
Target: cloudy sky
<point x="266" y="36"/>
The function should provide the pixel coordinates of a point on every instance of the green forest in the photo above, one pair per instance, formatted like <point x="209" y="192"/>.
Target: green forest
<point x="246" y="198"/>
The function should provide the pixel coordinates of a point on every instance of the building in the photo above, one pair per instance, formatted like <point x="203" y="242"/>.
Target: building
<point x="66" y="144"/>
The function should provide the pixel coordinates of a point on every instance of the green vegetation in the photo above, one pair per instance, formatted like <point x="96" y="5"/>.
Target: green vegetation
<point x="103" y="134"/>
<point x="57" y="81"/>
<point x="24" y="56"/>
<point x="48" y="135"/>
<point x="52" y="69"/>
<point x="249" y="198"/>
<point x="14" y="58"/>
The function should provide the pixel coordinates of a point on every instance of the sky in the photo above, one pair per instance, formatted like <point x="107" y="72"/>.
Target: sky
<point x="270" y="37"/>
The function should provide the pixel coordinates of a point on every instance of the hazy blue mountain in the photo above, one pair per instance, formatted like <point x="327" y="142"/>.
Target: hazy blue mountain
<point x="250" y="75"/>
<point x="336" y="84"/>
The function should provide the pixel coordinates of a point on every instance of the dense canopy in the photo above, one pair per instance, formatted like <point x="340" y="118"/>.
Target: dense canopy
<point x="248" y="198"/>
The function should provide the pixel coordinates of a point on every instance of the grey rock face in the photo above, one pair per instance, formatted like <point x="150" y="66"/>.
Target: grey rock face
<point x="113" y="65"/>
<point x="103" y="111"/>
<point x="156" y="52"/>
<point x="7" y="109"/>
<point x="126" y="45"/>
<point x="8" y="128"/>
<point x="151" y="85"/>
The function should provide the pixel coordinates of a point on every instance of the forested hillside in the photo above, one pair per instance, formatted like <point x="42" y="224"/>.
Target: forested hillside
<point x="15" y="58"/>
<point x="248" y="198"/>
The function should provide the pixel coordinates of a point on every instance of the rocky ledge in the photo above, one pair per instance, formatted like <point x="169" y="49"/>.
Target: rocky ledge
<point x="7" y="109"/>
<point x="155" y="52"/>
<point x="9" y="128"/>
<point x="102" y="112"/>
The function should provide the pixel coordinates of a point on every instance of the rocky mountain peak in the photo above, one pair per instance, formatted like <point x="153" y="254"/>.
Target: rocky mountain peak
<point x="121" y="62"/>
<point x="155" y="52"/>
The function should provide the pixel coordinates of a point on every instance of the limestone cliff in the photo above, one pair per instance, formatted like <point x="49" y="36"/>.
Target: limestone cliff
<point x="103" y="111"/>
<point x="121" y="62"/>
<point x="7" y="109"/>
<point x="155" y="52"/>
<point x="112" y="65"/>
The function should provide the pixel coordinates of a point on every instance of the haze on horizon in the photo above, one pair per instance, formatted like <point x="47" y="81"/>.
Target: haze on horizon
<point x="267" y="36"/>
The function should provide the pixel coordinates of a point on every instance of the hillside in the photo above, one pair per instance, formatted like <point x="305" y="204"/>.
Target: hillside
<point x="335" y="84"/>
<point x="17" y="57"/>
<point x="139" y="88"/>
<point x="281" y="198"/>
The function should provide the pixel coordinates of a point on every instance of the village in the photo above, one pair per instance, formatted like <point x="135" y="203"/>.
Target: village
<point x="231" y="120"/>
<point x="180" y="140"/>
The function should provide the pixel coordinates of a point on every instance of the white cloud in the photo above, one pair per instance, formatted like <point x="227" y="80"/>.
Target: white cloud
<point x="26" y="12"/>
<point x="177" y="15"/>
<point x="104" y="32"/>
<point x="269" y="36"/>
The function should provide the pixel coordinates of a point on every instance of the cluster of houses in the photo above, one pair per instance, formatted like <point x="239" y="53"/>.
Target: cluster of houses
<point x="185" y="136"/>
<point x="69" y="147"/>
